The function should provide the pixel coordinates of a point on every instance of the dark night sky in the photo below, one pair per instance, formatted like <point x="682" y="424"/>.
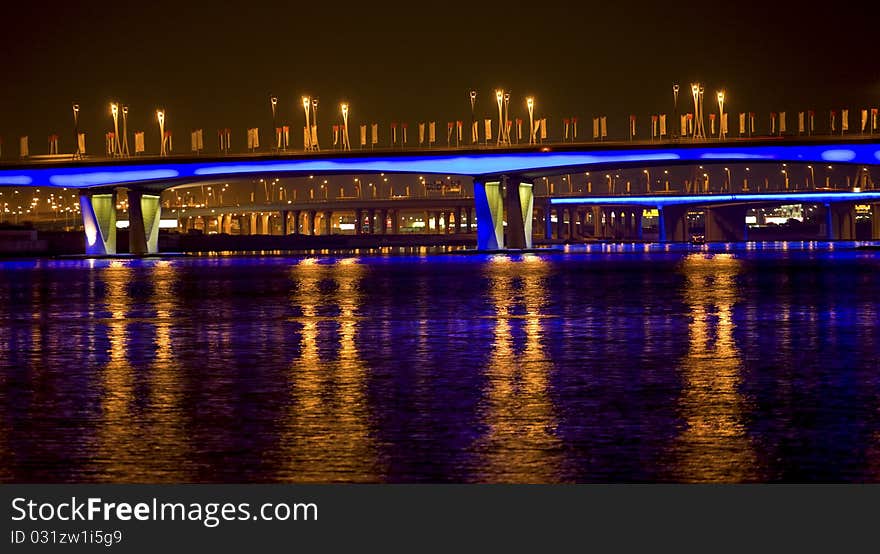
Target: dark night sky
<point x="213" y="65"/>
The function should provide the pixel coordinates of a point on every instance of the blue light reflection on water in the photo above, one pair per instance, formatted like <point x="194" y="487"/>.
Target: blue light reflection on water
<point x="600" y="363"/>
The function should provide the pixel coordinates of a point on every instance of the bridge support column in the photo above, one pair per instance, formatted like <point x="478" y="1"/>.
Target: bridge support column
<point x="520" y="202"/>
<point x="548" y="221"/>
<point x="875" y="221"/>
<point x="284" y="225"/>
<point x="328" y="222"/>
<point x="312" y="225"/>
<point x="144" y="213"/>
<point x="296" y="217"/>
<point x="726" y="223"/>
<point x="672" y="224"/>
<point x="598" y="230"/>
<point x="395" y="222"/>
<point x="358" y="221"/>
<point x="489" y="204"/>
<point x="227" y="224"/>
<point x="99" y="221"/>
<point x="840" y="221"/>
<point x="252" y="224"/>
<point x="266" y="223"/>
<point x="383" y="225"/>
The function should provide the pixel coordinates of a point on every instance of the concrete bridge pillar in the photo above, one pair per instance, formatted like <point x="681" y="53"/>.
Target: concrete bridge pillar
<point x="726" y="223"/>
<point x="266" y="223"/>
<point x="598" y="229"/>
<point x="252" y="223"/>
<point x="469" y="227"/>
<point x="548" y="221"/>
<point x="875" y="221"/>
<point x="242" y="225"/>
<point x="99" y="221"/>
<point x="144" y="214"/>
<point x="672" y="224"/>
<point x="227" y="224"/>
<point x="358" y="221"/>
<point x="520" y="200"/>
<point x="560" y="223"/>
<point x="284" y="225"/>
<point x="312" y="225"/>
<point x="371" y="221"/>
<point x="459" y="221"/>
<point x="840" y="221"/>
<point x="328" y="222"/>
<point x="383" y="223"/>
<point x="395" y="222"/>
<point x="296" y="217"/>
<point x="489" y="204"/>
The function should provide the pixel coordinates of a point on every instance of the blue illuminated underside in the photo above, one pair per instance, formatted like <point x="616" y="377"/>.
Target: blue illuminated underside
<point x="482" y="164"/>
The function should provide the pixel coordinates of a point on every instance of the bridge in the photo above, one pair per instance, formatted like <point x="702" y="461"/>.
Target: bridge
<point x="503" y="183"/>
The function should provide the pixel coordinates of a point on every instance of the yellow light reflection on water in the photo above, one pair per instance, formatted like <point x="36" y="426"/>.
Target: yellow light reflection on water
<point x="326" y="434"/>
<point x="714" y="445"/>
<point x="520" y="445"/>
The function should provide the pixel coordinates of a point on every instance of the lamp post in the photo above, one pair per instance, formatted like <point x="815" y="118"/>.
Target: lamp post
<point x="274" y="102"/>
<point x="315" y="122"/>
<point x="125" y="150"/>
<point x="77" y="153"/>
<point x="473" y="97"/>
<point x="675" y="90"/>
<point x="345" y="143"/>
<point x="499" y="96"/>
<point x="647" y="180"/>
<point x="530" y="102"/>
<point x="729" y="181"/>
<point x="721" y="129"/>
<point x="114" y="110"/>
<point x="812" y="176"/>
<point x="160" y="115"/>
<point x="695" y="90"/>
<point x="307" y="136"/>
<point x="506" y="116"/>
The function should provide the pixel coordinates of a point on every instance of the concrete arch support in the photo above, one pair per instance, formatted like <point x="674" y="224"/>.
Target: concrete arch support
<point x="490" y="215"/>
<point x="520" y="204"/>
<point x="99" y="222"/>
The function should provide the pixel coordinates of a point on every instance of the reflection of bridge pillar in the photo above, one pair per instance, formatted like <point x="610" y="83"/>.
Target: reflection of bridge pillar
<point x="672" y="224"/>
<point x="840" y="221"/>
<point x="99" y="221"/>
<point x="726" y="223"/>
<point x="489" y="204"/>
<point x="520" y="205"/>
<point x="144" y="213"/>
<point x="328" y="222"/>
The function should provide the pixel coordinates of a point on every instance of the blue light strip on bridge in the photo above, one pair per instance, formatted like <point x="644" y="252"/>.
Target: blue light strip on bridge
<point x="796" y="197"/>
<point x="470" y="164"/>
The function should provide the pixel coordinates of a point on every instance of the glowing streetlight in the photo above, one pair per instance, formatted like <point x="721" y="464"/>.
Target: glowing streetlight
<point x="114" y="111"/>
<point x="307" y="135"/>
<point x="499" y="96"/>
<point x="345" y="144"/>
<point x="729" y="180"/>
<point x="675" y="89"/>
<point x="315" y="123"/>
<point x="473" y="97"/>
<point x="647" y="180"/>
<point x="78" y="152"/>
<point x="721" y="129"/>
<point x="273" y="100"/>
<point x="125" y="131"/>
<point x="530" y="102"/>
<point x="812" y="176"/>
<point x="160" y="115"/>
<point x="506" y="116"/>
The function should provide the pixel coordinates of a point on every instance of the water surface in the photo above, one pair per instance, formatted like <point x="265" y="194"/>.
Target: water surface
<point x="598" y="364"/>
